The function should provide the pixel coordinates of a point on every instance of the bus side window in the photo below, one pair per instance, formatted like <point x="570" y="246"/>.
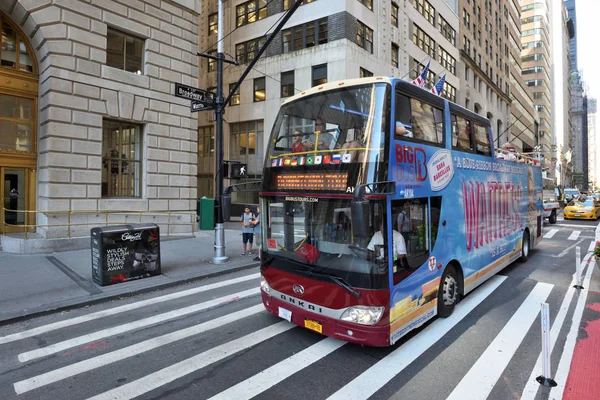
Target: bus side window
<point x="425" y="119"/>
<point x="403" y="127"/>
<point x="482" y="139"/>
<point x="463" y="138"/>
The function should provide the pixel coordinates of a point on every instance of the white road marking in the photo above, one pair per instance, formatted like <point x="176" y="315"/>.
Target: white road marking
<point x="592" y="246"/>
<point x="483" y="375"/>
<point x="130" y="351"/>
<point x="576" y="226"/>
<point x="564" y="365"/>
<point x="130" y="326"/>
<point x="550" y="233"/>
<point x="374" y="378"/>
<point x="133" y="306"/>
<point x="567" y="250"/>
<point x="574" y="235"/>
<point x="531" y="387"/>
<point x="271" y="376"/>
<point x="192" y="364"/>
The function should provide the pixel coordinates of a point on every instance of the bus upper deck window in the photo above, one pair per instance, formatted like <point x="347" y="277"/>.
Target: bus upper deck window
<point x="402" y="114"/>
<point x="462" y="127"/>
<point x="482" y="139"/>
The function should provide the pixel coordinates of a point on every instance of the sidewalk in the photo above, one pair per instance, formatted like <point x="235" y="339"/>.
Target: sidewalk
<point x="36" y="284"/>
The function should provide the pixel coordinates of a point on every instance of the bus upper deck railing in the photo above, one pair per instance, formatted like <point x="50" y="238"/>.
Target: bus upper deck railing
<point x="105" y="218"/>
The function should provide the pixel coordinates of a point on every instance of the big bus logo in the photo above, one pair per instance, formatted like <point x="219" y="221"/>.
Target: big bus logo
<point x="411" y="164"/>
<point x="492" y="211"/>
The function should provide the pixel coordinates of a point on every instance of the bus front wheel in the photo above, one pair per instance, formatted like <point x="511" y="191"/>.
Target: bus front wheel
<point x="525" y="247"/>
<point x="448" y="293"/>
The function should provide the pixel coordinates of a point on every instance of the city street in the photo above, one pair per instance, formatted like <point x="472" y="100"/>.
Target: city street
<point x="213" y="339"/>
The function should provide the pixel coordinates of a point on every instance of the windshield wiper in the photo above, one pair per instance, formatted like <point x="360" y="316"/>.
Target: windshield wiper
<point x="336" y="279"/>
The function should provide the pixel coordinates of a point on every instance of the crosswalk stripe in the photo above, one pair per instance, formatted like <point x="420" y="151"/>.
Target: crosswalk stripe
<point x="271" y="376"/>
<point x="531" y="387"/>
<point x="574" y="235"/>
<point x="483" y="375"/>
<point x="373" y="379"/>
<point x="564" y="365"/>
<point x="171" y="373"/>
<point x="120" y="309"/>
<point x="130" y="351"/>
<point x="592" y="246"/>
<point x="67" y="344"/>
<point x="550" y="233"/>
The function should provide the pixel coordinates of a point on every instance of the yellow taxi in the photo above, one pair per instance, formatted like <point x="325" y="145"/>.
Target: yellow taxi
<point x="582" y="209"/>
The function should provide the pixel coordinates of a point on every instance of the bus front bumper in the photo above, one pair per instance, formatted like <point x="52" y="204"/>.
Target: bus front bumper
<point x="370" y="335"/>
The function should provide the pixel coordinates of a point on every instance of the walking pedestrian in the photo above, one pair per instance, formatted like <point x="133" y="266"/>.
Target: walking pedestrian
<point x="256" y="223"/>
<point x="247" y="230"/>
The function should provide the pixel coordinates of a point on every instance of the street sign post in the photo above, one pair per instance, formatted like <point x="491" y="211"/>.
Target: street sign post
<point x="201" y="99"/>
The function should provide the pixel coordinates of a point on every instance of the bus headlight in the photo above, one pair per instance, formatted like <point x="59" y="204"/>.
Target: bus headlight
<point x="363" y="315"/>
<point x="264" y="285"/>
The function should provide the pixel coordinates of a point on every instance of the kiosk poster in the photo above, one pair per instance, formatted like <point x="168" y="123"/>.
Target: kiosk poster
<point x="122" y="253"/>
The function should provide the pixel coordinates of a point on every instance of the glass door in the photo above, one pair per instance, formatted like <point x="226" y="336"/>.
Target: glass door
<point x="13" y="187"/>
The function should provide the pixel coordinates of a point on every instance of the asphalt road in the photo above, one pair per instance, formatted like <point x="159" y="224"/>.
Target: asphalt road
<point x="213" y="339"/>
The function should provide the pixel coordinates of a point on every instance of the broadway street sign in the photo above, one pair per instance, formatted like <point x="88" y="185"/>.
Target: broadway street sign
<point x="201" y="99"/>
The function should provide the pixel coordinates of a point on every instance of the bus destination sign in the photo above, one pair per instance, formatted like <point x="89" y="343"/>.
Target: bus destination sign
<point x="329" y="181"/>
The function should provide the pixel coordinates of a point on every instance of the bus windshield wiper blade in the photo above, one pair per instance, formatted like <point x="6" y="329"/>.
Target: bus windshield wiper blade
<point x="344" y="284"/>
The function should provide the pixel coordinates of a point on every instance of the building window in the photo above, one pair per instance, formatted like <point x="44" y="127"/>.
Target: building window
<point x="288" y="3"/>
<point x="206" y="141"/>
<point x="304" y="36"/>
<point x="367" y="3"/>
<point x="446" y="30"/>
<point x="260" y="92"/>
<point x="121" y="159"/>
<point x="250" y="12"/>
<point x="466" y="19"/>
<point x="17" y="117"/>
<point x="212" y="63"/>
<point x="426" y="10"/>
<point x="235" y="98"/>
<point x="319" y="75"/>
<point x="124" y="51"/>
<point x="447" y="61"/>
<point x="287" y="84"/>
<point x="424" y="41"/>
<point x="449" y="92"/>
<point x="244" y="136"/>
<point x="364" y="73"/>
<point x="395" y="52"/>
<point x="247" y="51"/>
<point x="15" y="53"/>
<point x="395" y="15"/>
<point x="213" y="24"/>
<point x="364" y="37"/>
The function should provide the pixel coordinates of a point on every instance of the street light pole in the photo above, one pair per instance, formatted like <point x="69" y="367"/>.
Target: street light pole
<point x="220" y="257"/>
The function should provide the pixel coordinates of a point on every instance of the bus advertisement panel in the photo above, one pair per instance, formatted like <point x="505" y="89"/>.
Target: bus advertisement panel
<point x="382" y="205"/>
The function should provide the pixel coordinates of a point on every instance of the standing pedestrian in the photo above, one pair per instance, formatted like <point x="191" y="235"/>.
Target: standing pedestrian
<point x="247" y="230"/>
<point x="256" y="223"/>
<point x="404" y="222"/>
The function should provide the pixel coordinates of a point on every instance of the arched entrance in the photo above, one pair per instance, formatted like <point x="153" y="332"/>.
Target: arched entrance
<point x="18" y="125"/>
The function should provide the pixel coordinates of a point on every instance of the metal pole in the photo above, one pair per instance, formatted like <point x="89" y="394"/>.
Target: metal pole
<point x="546" y="377"/>
<point x="578" y="271"/>
<point x="219" y="257"/>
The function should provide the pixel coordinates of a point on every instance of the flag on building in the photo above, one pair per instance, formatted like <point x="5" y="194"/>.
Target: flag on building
<point x="439" y="86"/>
<point x="420" y="80"/>
<point x="558" y="168"/>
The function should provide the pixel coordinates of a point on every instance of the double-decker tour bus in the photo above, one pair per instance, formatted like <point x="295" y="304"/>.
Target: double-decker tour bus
<point x="382" y="205"/>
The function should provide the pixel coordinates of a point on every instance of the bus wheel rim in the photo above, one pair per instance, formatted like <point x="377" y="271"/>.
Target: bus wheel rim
<point x="525" y="246"/>
<point x="450" y="291"/>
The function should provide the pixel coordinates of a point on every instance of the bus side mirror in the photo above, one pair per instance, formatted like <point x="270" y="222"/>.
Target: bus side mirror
<point x="359" y="209"/>
<point x="226" y="206"/>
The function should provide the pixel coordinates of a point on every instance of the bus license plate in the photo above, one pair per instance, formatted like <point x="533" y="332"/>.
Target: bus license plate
<point x="285" y="314"/>
<point x="313" y="325"/>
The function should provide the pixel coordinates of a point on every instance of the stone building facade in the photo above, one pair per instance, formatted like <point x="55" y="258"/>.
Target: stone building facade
<point x="90" y="120"/>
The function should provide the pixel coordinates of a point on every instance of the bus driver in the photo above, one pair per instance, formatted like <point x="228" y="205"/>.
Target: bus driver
<point x="398" y="247"/>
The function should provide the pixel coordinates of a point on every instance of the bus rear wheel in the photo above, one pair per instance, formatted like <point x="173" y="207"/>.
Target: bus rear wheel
<point x="525" y="247"/>
<point x="448" y="292"/>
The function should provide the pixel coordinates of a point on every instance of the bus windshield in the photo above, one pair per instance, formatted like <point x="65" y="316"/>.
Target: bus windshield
<point x="335" y="130"/>
<point x="313" y="236"/>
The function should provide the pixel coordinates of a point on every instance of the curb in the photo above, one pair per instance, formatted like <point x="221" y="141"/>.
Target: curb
<point x="71" y="304"/>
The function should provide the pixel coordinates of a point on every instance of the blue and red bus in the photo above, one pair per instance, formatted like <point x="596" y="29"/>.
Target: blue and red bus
<point x="383" y="205"/>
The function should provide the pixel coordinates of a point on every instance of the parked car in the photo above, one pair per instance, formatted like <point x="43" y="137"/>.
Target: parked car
<point x="586" y="209"/>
